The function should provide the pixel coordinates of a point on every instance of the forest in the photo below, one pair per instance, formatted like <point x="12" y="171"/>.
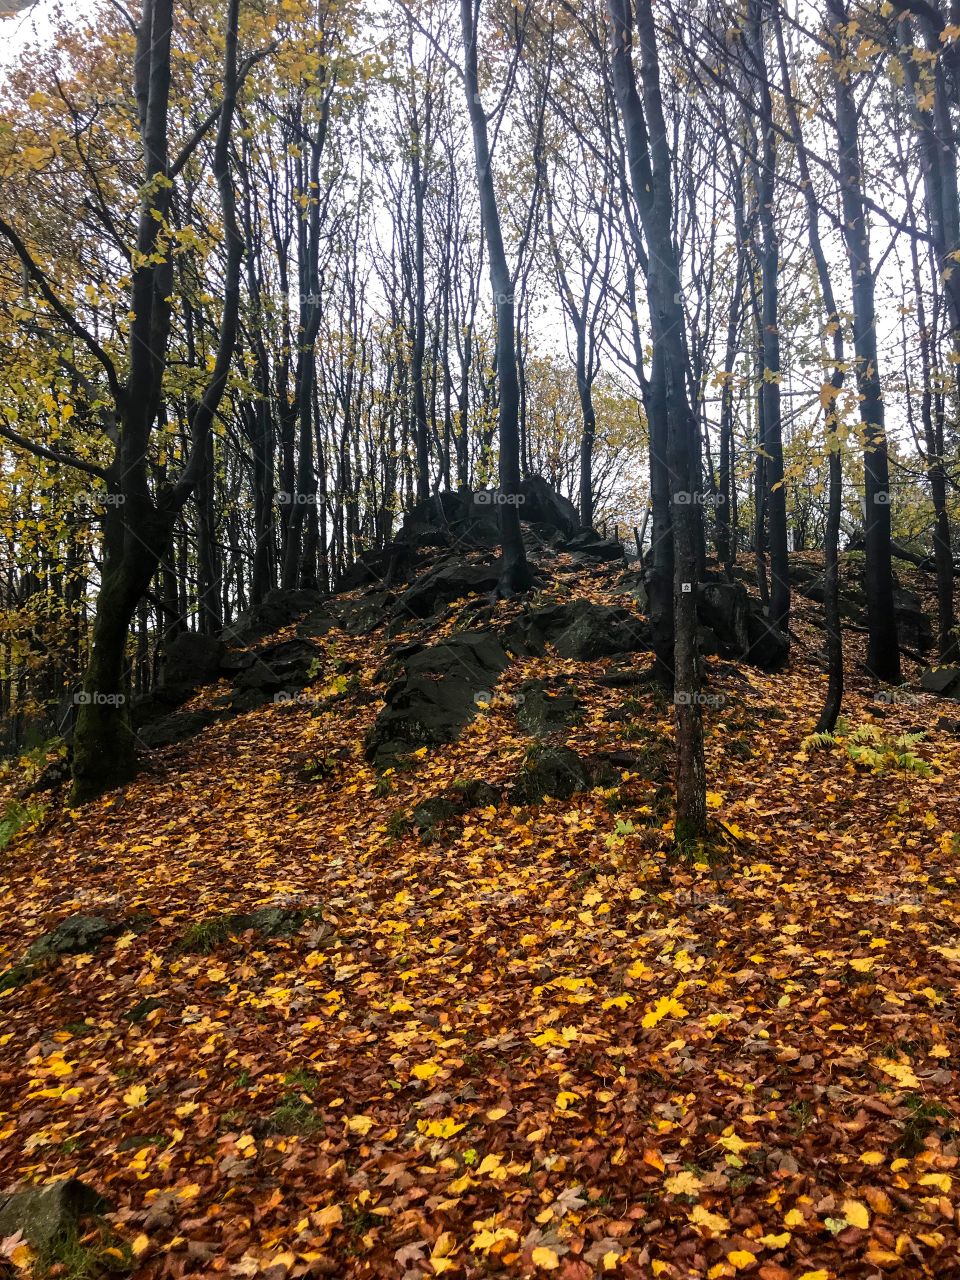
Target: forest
<point x="479" y="655"/>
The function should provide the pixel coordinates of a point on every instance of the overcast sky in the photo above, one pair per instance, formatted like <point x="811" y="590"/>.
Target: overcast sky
<point x="33" y="23"/>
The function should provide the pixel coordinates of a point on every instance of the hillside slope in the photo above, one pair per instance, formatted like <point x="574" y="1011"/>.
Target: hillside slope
<point x="322" y="1031"/>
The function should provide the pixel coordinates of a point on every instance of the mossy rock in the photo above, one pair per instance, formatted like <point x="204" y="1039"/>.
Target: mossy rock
<point x="267" y="922"/>
<point x="49" y="1213"/>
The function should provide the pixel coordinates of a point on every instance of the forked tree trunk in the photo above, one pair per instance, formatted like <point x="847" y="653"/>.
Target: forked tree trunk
<point x="515" y="573"/>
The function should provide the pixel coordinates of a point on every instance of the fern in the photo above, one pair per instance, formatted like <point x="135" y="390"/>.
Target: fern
<point x="818" y="742"/>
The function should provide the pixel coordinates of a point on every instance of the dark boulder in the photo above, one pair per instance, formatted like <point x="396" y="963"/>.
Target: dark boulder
<point x="383" y="566"/>
<point x="769" y="648"/>
<point x="49" y="1213"/>
<point x="76" y="935"/>
<point x="589" y="545"/>
<point x="943" y="681"/>
<point x="724" y="608"/>
<point x="438" y="691"/>
<point x="557" y="772"/>
<point x="451" y="580"/>
<point x="278" y="609"/>
<point x="453" y="519"/>
<point x="192" y="660"/>
<point x="178" y="726"/>
<point x="542" y="504"/>
<point x="542" y="711"/>
<point x="913" y="624"/>
<point x="585" y="631"/>
<point x="430" y="814"/>
<point x="286" y="666"/>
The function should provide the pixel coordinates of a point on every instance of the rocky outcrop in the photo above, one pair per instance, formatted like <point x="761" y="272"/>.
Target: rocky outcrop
<point x="439" y="690"/>
<point x="579" y="629"/>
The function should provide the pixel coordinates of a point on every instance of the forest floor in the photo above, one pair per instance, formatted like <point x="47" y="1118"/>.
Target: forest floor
<point x="537" y="1044"/>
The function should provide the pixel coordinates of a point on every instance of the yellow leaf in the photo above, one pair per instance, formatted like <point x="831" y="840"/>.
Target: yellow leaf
<point x="714" y="799"/>
<point x="136" y="1095"/>
<point x="565" y="1100"/>
<point x="740" y="1259"/>
<point x="140" y="1245"/>
<point x="776" y="1241"/>
<point x="664" y="1007"/>
<point x="683" y="1184"/>
<point x="360" y="1125"/>
<point x="819" y="1274"/>
<point x="331" y="1216"/>
<point x="872" y="1157"/>
<point x="610" y="1261"/>
<point x="545" y="1258"/>
<point x="939" y="1180"/>
<point x="22" y="1257"/>
<point x="487" y="1240"/>
<point x="444" y="1128"/>
<point x="714" y="1222"/>
<point x="897" y="1071"/>
<point x="856" y="1214"/>
<point x="425" y="1070"/>
<point x="496" y="1113"/>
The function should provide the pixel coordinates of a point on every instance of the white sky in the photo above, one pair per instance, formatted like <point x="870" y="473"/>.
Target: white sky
<point x="31" y="25"/>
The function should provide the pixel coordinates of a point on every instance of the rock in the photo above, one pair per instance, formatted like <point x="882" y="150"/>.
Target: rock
<point x="363" y="616"/>
<point x="76" y="935"/>
<point x="591" y="546"/>
<point x="542" y="504"/>
<point x="943" y="681"/>
<point x="554" y="771"/>
<point x="48" y="1213"/>
<point x="542" y="711"/>
<point x="586" y="631"/>
<point x="450" y="580"/>
<point x="437" y="693"/>
<point x="282" y="667"/>
<point x="267" y="922"/>
<point x="431" y="813"/>
<point x="278" y="609"/>
<point x="769" y="647"/>
<point x="474" y="793"/>
<point x="453" y="519"/>
<point x="178" y="726"/>
<point x="142" y="1010"/>
<point x="192" y="660"/>
<point x="724" y="608"/>
<point x="382" y="566"/>
<point x="462" y="797"/>
<point x="913" y="625"/>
